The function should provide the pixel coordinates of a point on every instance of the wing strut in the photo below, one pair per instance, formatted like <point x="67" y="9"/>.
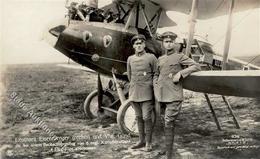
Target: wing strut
<point x="146" y="20"/>
<point x="100" y="93"/>
<point x="158" y="19"/>
<point x="137" y="15"/>
<point x="151" y="23"/>
<point x="193" y="17"/>
<point x="157" y="15"/>
<point x="228" y="36"/>
<point x="225" y="56"/>
<point x="130" y="17"/>
<point x="126" y="14"/>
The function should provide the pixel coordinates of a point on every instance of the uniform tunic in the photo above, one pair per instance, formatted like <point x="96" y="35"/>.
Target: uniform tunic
<point x="140" y="71"/>
<point x="169" y="65"/>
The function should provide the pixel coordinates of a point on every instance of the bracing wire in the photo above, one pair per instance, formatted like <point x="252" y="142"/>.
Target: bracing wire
<point x="252" y="60"/>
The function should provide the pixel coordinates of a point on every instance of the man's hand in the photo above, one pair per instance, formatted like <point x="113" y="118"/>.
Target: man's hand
<point x="176" y="78"/>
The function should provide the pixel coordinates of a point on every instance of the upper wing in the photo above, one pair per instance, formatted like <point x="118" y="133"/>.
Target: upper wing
<point x="207" y="8"/>
<point x="150" y="10"/>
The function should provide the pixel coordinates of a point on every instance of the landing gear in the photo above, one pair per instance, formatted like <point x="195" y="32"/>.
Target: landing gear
<point x="113" y="104"/>
<point x="91" y="103"/>
<point x="126" y="119"/>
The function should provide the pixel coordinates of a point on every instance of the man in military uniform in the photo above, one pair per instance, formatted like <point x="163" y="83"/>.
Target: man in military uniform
<point x="172" y="68"/>
<point x="140" y="70"/>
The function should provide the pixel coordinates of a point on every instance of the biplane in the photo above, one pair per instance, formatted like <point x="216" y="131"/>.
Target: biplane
<point x="102" y="43"/>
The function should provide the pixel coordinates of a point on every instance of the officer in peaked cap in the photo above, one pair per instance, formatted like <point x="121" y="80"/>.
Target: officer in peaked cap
<point x="141" y="68"/>
<point x="138" y="37"/>
<point x="172" y="67"/>
<point x="169" y="34"/>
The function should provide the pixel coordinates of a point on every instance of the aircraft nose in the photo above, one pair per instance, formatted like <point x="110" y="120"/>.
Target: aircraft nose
<point x="57" y="30"/>
<point x="51" y="36"/>
<point x="53" y="30"/>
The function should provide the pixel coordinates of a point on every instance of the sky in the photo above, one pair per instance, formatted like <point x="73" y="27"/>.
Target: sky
<point x="245" y="33"/>
<point x="24" y="23"/>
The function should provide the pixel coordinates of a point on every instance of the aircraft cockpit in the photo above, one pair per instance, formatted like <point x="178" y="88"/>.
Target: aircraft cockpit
<point x="84" y="12"/>
<point x="133" y="14"/>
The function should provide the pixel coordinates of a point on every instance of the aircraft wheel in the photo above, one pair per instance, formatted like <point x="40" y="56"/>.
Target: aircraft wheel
<point x="91" y="103"/>
<point x="126" y="119"/>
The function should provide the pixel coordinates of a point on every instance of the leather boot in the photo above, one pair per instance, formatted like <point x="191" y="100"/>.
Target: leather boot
<point x="169" y="137"/>
<point x="148" y="135"/>
<point x="140" y="126"/>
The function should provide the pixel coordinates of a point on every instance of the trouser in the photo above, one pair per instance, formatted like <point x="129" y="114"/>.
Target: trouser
<point x="143" y="112"/>
<point x="171" y="113"/>
<point x="143" y="109"/>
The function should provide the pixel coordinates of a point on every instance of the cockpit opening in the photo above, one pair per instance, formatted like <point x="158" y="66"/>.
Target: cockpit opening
<point x="84" y="12"/>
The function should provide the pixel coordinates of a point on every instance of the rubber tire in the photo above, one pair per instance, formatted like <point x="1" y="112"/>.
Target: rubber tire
<point x="120" y="118"/>
<point x="93" y="94"/>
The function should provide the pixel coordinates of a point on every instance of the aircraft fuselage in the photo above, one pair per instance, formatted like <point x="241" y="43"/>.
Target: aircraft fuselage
<point x="101" y="46"/>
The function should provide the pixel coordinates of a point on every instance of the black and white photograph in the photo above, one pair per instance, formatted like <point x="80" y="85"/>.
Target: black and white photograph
<point x="130" y="79"/>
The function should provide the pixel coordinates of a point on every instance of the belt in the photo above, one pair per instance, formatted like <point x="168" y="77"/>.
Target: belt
<point x="144" y="73"/>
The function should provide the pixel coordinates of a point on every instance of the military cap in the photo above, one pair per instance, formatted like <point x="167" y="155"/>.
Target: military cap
<point x="138" y="36"/>
<point x="169" y="34"/>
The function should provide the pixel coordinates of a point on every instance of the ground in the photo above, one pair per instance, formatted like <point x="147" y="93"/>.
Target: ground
<point x="55" y="95"/>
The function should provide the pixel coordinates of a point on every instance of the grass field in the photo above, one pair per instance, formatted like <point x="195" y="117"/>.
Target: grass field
<point x="56" y="95"/>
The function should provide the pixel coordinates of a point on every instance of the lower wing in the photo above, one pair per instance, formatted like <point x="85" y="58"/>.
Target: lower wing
<point x="231" y="83"/>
